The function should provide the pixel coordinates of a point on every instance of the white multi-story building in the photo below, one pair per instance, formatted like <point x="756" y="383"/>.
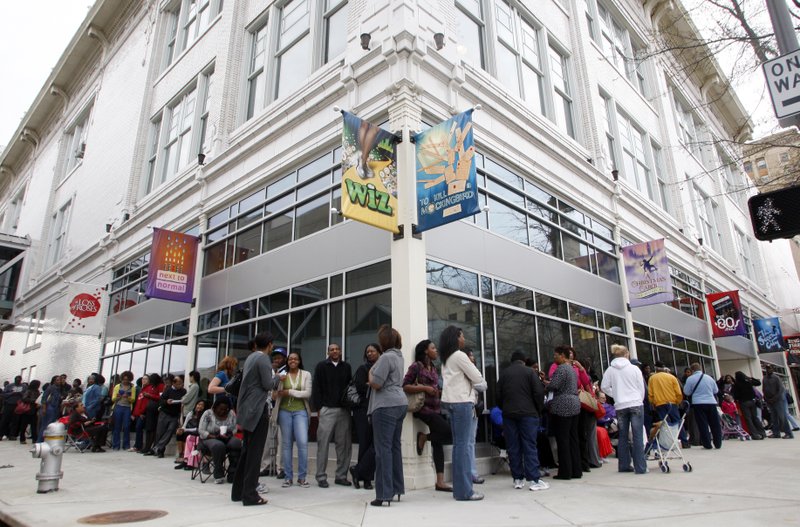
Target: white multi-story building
<point x="587" y="140"/>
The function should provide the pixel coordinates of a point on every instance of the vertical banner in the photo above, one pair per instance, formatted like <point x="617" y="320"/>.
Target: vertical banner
<point x="85" y="305"/>
<point x="369" y="179"/>
<point x="768" y="335"/>
<point x="446" y="180"/>
<point x="170" y="275"/>
<point x="725" y="313"/>
<point x="647" y="273"/>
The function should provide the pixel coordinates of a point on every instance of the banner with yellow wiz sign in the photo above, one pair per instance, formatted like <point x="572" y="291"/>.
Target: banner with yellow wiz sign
<point x="369" y="179"/>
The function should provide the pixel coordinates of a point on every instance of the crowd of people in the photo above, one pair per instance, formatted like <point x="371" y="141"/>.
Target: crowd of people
<point x="566" y="418"/>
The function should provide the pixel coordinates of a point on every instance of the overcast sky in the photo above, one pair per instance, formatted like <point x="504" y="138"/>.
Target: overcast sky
<point x="34" y="34"/>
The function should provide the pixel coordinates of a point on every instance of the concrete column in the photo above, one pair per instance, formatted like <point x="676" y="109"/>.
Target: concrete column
<point x="191" y="347"/>
<point x="409" y="301"/>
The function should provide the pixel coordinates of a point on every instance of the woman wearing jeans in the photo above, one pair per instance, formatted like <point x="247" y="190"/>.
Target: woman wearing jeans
<point x="293" y="413"/>
<point x="123" y="398"/>
<point x="387" y="406"/>
<point x="461" y="382"/>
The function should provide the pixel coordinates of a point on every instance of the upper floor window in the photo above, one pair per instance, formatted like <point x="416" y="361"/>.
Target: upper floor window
<point x="687" y="124"/>
<point x="13" y="212"/>
<point x="744" y="248"/>
<point x="609" y="145"/>
<point x="301" y="28"/>
<point x="35" y="328"/>
<point x="470" y="32"/>
<point x="635" y="159"/>
<point x="58" y="233"/>
<point x="611" y="34"/>
<point x="735" y="187"/>
<point x="662" y="195"/>
<point x="178" y="132"/>
<point x="187" y="19"/>
<point x="519" y="64"/>
<point x="562" y="92"/>
<point x="707" y="215"/>
<point x="75" y="141"/>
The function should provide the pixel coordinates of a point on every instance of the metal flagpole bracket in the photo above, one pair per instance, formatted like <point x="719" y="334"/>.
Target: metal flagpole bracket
<point x="414" y="232"/>
<point x="398" y="235"/>
<point x="338" y="110"/>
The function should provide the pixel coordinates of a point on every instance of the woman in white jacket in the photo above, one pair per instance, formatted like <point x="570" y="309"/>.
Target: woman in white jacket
<point x="461" y="382"/>
<point x="292" y="408"/>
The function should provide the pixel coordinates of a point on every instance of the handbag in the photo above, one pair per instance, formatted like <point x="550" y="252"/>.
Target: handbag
<point x="22" y="407"/>
<point x="350" y="397"/>
<point x="588" y="402"/>
<point x="235" y="384"/>
<point x="416" y="400"/>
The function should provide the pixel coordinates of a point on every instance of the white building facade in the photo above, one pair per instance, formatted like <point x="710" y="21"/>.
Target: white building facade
<point x="570" y="91"/>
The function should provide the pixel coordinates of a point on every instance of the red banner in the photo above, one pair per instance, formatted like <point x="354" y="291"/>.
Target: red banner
<point x="725" y="313"/>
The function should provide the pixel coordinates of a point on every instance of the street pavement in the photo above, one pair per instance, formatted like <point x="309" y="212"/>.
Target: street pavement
<point x="744" y="483"/>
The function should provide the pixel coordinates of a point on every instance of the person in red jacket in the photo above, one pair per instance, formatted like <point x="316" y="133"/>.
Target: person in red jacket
<point x="149" y="393"/>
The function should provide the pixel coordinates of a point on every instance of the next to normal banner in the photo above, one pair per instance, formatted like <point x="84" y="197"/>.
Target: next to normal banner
<point x="170" y="275"/>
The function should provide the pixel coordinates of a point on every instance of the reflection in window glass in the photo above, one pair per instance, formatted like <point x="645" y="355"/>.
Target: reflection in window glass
<point x="552" y="333"/>
<point x="310" y="293"/>
<point x="544" y="238"/>
<point x="587" y="347"/>
<point x="279" y="327"/>
<point x="445" y="310"/>
<point x="278" y="231"/>
<point x="448" y="277"/>
<point x="155" y="359"/>
<point x="273" y="303"/>
<point x="507" y="222"/>
<point x="363" y="316"/>
<point x="513" y="295"/>
<point x="515" y="332"/>
<point x="312" y="217"/>
<point x="309" y="335"/>
<point x="177" y="357"/>
<point x="248" y="244"/>
<point x="582" y="314"/>
<point x="374" y="275"/>
<point x="551" y="306"/>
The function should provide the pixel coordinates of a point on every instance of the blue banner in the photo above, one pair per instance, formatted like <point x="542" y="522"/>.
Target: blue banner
<point x="768" y="335"/>
<point x="446" y="183"/>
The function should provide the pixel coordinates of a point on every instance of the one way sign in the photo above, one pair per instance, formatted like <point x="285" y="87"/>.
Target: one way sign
<point x="783" y="80"/>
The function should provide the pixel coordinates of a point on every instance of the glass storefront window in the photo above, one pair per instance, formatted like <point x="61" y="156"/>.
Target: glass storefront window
<point x="363" y="316"/>
<point x="310" y="292"/>
<point x="513" y="295"/>
<point x="374" y="275"/>
<point x="453" y="278"/>
<point x="549" y="305"/>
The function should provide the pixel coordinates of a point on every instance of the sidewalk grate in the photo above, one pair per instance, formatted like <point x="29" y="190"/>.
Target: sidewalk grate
<point x="109" y="518"/>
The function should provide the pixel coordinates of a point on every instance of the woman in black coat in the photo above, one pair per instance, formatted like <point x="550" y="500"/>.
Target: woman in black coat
<point x="364" y="470"/>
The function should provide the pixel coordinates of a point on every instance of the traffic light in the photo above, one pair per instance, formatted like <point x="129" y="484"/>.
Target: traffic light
<point x="775" y="214"/>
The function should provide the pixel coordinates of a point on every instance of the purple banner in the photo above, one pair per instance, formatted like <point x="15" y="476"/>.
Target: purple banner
<point x="647" y="273"/>
<point x="170" y="275"/>
<point x="768" y="335"/>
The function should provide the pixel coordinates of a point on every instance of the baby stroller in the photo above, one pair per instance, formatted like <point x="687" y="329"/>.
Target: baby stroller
<point x="731" y="429"/>
<point x="665" y="443"/>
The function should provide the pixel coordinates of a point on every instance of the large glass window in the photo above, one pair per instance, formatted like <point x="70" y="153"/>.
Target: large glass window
<point x="516" y="318"/>
<point x="523" y="212"/>
<point x="254" y="225"/>
<point x="58" y="233"/>
<point x="75" y="140"/>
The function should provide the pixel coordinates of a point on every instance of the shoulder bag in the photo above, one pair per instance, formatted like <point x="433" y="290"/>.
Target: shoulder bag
<point x="22" y="407"/>
<point x="588" y="402"/>
<point x="416" y="400"/>
<point x="235" y="384"/>
<point x="350" y="397"/>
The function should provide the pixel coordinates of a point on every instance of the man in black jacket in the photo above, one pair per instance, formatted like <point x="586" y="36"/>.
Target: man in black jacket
<point x="331" y="378"/>
<point x="520" y="395"/>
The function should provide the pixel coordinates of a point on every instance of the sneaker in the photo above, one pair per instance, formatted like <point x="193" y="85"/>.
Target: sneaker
<point x="303" y="483"/>
<point x="134" y="449"/>
<point x="281" y="474"/>
<point x="262" y="489"/>
<point x="518" y="484"/>
<point x="476" y="496"/>
<point x="219" y="481"/>
<point x="539" y="485"/>
<point x="287" y="483"/>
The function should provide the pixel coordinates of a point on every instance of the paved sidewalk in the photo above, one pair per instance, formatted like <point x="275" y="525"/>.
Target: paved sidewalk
<point x="753" y="483"/>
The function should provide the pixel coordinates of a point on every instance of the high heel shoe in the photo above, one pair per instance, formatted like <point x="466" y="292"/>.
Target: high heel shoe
<point x="355" y="478"/>
<point x="379" y="503"/>
<point x="398" y="497"/>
